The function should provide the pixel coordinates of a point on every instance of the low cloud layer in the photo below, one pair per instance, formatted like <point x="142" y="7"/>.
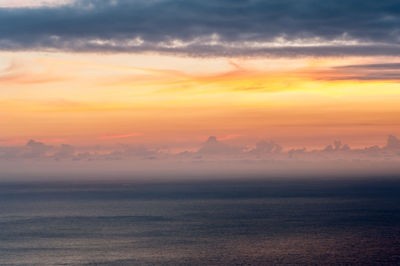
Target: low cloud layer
<point x="204" y="28"/>
<point x="214" y="159"/>
<point x="212" y="149"/>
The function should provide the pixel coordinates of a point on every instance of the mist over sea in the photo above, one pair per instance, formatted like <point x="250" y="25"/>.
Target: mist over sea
<point x="198" y="222"/>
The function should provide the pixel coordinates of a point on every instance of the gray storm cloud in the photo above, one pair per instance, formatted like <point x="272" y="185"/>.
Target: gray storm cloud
<point x="207" y="28"/>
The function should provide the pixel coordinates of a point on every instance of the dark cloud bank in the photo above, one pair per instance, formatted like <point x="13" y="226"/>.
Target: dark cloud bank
<point x="214" y="157"/>
<point x="208" y="28"/>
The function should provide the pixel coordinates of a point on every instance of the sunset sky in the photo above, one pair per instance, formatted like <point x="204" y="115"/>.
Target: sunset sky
<point x="199" y="132"/>
<point x="171" y="73"/>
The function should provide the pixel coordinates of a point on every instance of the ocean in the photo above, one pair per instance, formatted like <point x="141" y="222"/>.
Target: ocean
<point x="225" y="222"/>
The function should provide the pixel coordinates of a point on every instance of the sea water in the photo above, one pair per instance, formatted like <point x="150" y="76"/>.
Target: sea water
<point x="200" y="222"/>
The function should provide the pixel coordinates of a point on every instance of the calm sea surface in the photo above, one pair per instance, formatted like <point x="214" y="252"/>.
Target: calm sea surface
<point x="207" y="223"/>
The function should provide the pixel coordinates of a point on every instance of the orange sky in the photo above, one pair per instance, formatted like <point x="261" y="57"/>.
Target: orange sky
<point x="88" y="99"/>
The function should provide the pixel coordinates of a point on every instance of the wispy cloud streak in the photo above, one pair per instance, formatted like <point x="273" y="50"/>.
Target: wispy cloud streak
<point x="119" y="136"/>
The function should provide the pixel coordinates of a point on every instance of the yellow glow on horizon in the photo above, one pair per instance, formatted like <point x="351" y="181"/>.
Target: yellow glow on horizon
<point x="165" y="99"/>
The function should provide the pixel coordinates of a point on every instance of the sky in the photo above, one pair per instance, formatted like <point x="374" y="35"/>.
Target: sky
<point x="165" y="75"/>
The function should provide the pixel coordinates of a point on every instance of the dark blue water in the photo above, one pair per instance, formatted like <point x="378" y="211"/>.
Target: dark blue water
<point x="208" y="223"/>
